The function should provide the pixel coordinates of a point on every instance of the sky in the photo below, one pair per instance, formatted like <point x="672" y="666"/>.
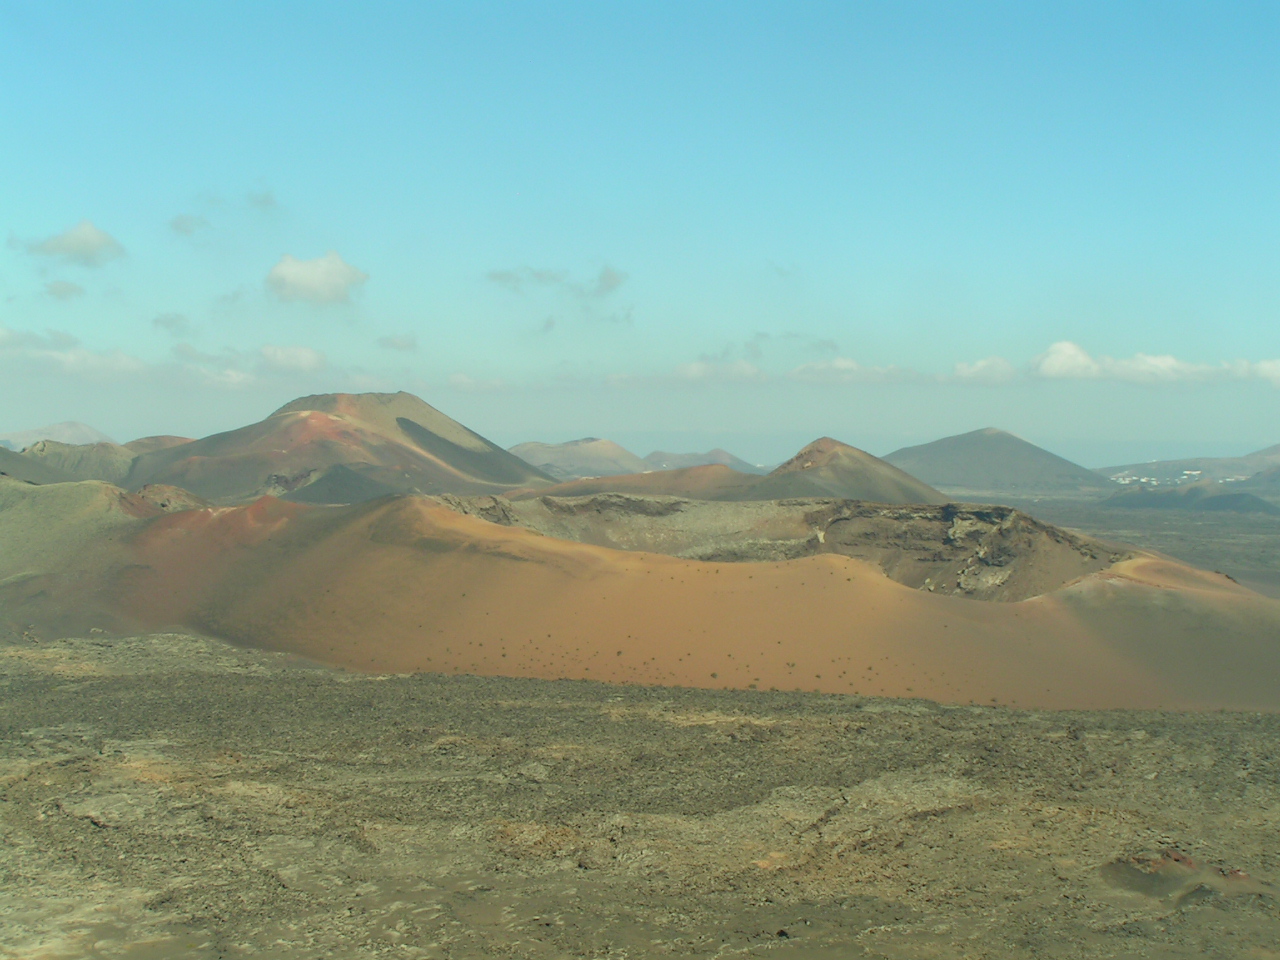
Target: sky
<point x="678" y="226"/>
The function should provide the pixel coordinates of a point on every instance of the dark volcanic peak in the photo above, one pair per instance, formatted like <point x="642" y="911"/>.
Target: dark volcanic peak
<point x="391" y="442"/>
<point x="828" y="468"/>
<point x="990" y="461"/>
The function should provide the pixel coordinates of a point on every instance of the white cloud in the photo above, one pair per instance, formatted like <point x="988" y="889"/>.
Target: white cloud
<point x="293" y="358"/>
<point x="1267" y="370"/>
<point x="84" y="245"/>
<point x="63" y="289"/>
<point x="1065" y="360"/>
<point x="987" y="370"/>
<point x="327" y="279"/>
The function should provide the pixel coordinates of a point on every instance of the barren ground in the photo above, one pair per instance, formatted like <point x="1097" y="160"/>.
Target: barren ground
<point x="169" y="795"/>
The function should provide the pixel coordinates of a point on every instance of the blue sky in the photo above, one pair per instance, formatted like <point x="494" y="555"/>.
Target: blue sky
<point x="675" y="225"/>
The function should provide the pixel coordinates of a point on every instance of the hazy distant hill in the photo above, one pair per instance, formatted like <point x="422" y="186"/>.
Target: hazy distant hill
<point x="992" y="462"/>
<point x="352" y="446"/>
<point x="1197" y="468"/>
<point x="661" y="460"/>
<point x="588" y="457"/>
<point x="824" y="468"/>
<point x="1202" y="497"/>
<point x="69" y="431"/>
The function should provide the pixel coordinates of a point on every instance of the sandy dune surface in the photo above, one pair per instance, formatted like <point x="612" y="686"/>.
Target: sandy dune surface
<point x="407" y="584"/>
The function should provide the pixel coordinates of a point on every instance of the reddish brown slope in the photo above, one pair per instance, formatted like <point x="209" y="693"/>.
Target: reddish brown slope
<point x="338" y="448"/>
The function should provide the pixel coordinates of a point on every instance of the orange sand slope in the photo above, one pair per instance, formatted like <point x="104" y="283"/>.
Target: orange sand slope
<point x="406" y="584"/>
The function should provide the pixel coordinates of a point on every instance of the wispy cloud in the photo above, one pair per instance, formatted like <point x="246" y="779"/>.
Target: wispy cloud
<point x="63" y="289"/>
<point x="187" y="224"/>
<point x="83" y="245"/>
<point x="524" y="279"/>
<point x="301" y="359"/>
<point x="263" y="200"/>
<point x="64" y="353"/>
<point x="402" y="343"/>
<point x="707" y="369"/>
<point x="460" y="381"/>
<point x="174" y="324"/>
<point x="327" y="279"/>
<point x="847" y="370"/>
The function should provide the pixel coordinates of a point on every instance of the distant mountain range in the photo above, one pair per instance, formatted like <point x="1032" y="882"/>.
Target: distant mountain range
<point x="661" y="460"/>
<point x="1204" y="496"/>
<point x="588" y="457"/>
<point x="824" y="468"/>
<point x="593" y="457"/>
<point x="1190" y="470"/>
<point x="350" y="448"/>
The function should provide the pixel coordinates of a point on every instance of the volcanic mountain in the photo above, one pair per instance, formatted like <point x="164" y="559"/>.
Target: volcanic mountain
<point x="409" y="583"/>
<point x="824" y="468"/>
<point x="991" y="462"/>
<point x="588" y="457"/>
<point x="660" y="460"/>
<point x="338" y="448"/>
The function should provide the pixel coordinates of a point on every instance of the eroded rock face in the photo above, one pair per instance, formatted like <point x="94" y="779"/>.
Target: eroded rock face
<point x="986" y="553"/>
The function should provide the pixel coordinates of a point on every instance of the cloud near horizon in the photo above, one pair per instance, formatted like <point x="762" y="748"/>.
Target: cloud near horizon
<point x="707" y="369"/>
<point x="83" y="245"/>
<point x="1065" y="360"/>
<point x="327" y="279"/>
<point x="846" y="370"/>
<point x="64" y="353"/>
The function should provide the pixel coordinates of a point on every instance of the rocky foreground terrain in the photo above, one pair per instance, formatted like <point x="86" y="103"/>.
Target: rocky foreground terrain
<point x="168" y="796"/>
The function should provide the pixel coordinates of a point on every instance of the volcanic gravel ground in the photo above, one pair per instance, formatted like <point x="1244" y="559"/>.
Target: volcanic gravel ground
<point x="171" y="795"/>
